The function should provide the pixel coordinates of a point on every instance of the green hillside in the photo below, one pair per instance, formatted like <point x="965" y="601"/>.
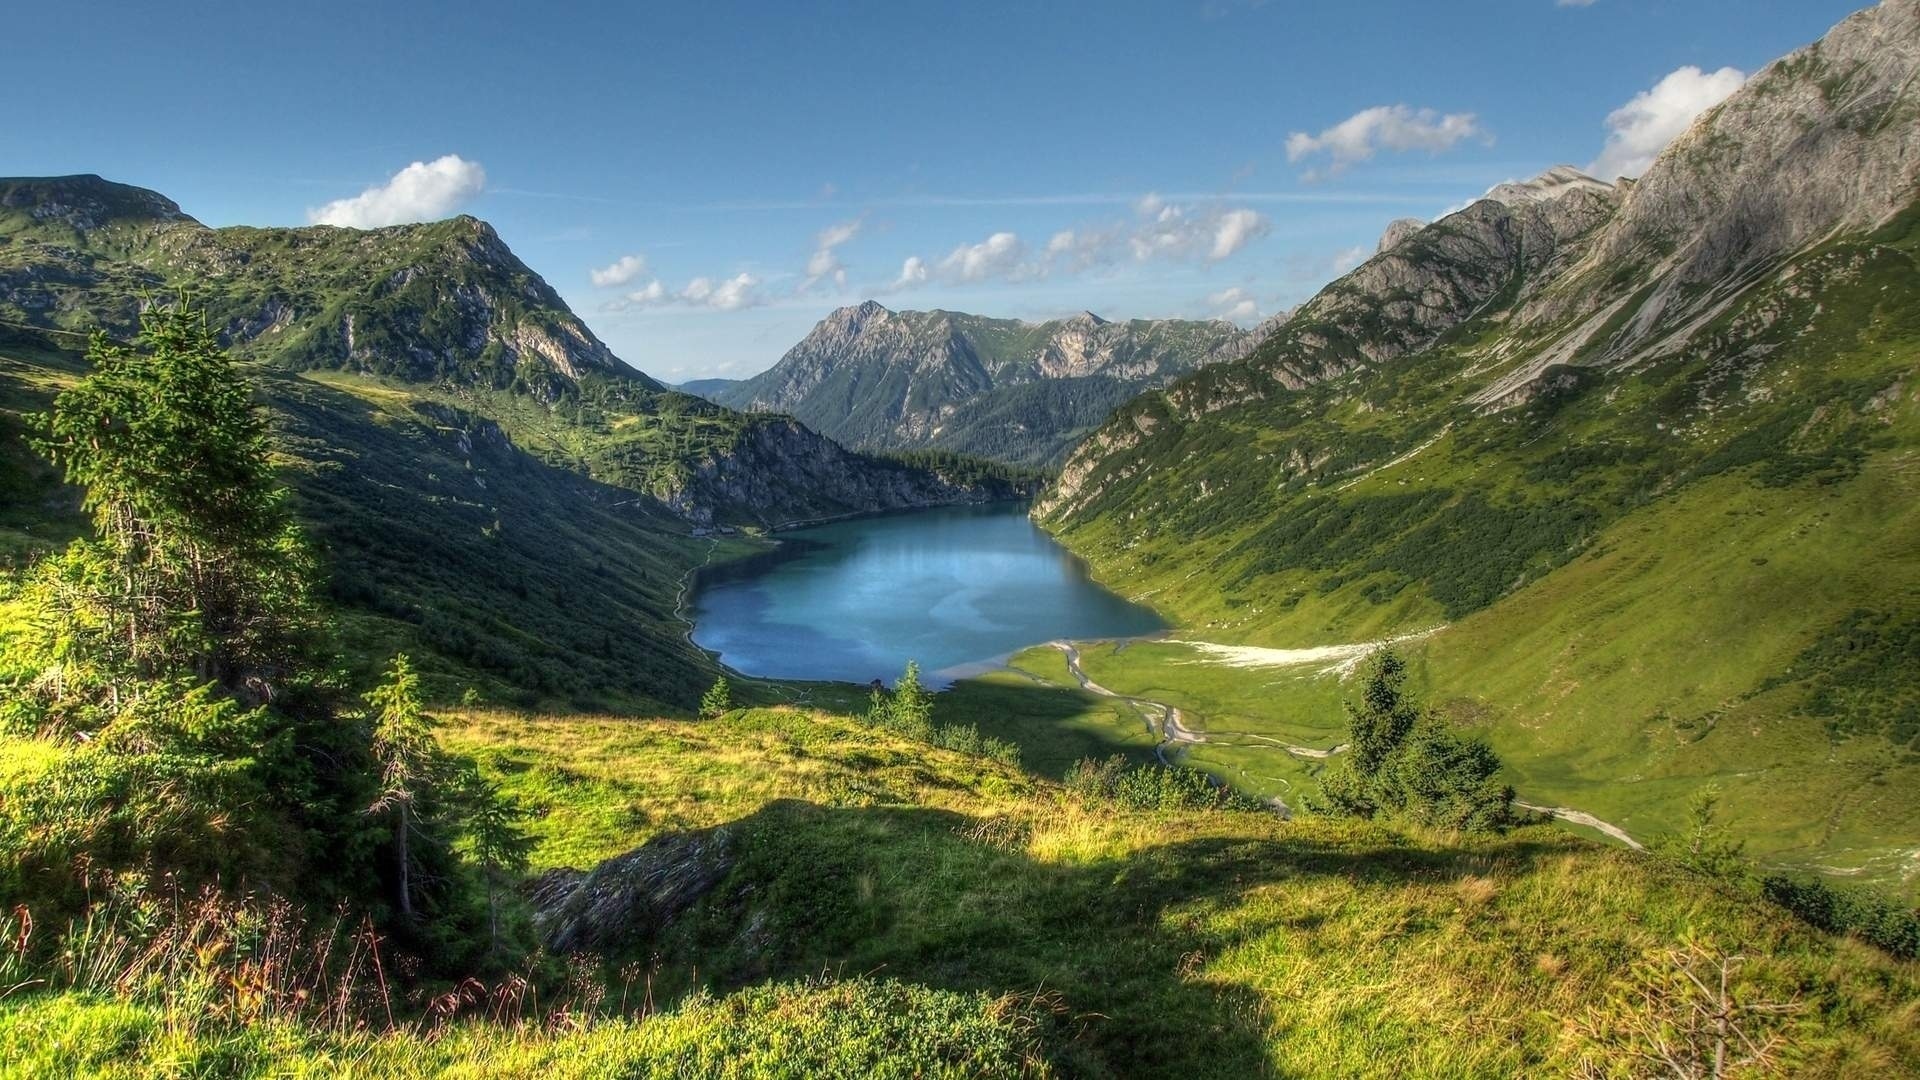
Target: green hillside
<point x="1652" y="520"/>
<point x="1023" y="928"/>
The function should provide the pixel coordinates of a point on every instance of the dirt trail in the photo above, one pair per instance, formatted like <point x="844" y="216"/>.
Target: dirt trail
<point x="1166" y="723"/>
<point x="1581" y="817"/>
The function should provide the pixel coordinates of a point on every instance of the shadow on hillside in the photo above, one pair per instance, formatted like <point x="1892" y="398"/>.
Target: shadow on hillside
<point x="537" y="584"/>
<point x="1054" y="726"/>
<point x="934" y="897"/>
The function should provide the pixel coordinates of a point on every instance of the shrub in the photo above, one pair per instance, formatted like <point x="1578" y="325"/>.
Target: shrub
<point x="1877" y="920"/>
<point x="1405" y="763"/>
<point x="1120" y="782"/>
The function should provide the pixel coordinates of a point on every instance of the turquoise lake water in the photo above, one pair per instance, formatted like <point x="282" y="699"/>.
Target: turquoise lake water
<point x="957" y="589"/>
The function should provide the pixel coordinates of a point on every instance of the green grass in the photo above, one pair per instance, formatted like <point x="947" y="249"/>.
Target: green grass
<point x="1179" y="943"/>
<point x="1052" y="722"/>
<point x="971" y="919"/>
<point x="853" y="1029"/>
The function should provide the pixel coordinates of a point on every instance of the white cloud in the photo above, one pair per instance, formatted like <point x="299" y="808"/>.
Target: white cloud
<point x="423" y="191"/>
<point x="1234" y="304"/>
<point x="1640" y="129"/>
<point x="732" y="294"/>
<point x="1159" y="229"/>
<point x="727" y="294"/>
<point x="912" y="272"/>
<point x="1384" y="127"/>
<point x="1232" y="231"/>
<point x="1572" y="3"/>
<point x="824" y="262"/>
<point x="1344" y="261"/>
<point x="620" y="271"/>
<point x="996" y="256"/>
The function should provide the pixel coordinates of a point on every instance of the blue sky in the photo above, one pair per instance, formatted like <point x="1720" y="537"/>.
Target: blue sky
<point x="761" y="164"/>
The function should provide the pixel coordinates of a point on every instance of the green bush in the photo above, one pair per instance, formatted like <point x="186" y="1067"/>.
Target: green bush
<point x="1407" y="764"/>
<point x="1120" y="782"/>
<point x="1877" y="920"/>
<point x="908" y="710"/>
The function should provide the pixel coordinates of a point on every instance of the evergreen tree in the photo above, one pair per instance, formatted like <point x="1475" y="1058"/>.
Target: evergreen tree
<point x="195" y="570"/>
<point x="403" y="747"/>
<point x="718" y="699"/>
<point x="495" y="842"/>
<point x="911" y="708"/>
<point x="1382" y="719"/>
<point x="1404" y="763"/>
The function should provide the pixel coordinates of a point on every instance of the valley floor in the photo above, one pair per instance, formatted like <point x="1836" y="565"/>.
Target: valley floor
<point x="1267" y="719"/>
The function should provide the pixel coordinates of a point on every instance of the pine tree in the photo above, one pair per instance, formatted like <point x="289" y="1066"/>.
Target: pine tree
<point x="409" y="760"/>
<point x="495" y="842"/>
<point x="196" y="569"/>
<point x="1382" y="719"/>
<point x="718" y="699"/>
<point x="911" y="708"/>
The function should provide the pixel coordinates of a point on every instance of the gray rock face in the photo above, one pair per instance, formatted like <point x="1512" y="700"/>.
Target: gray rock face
<point x="1397" y="232"/>
<point x="1576" y="271"/>
<point x="780" y="473"/>
<point x="630" y="897"/>
<point x="868" y="376"/>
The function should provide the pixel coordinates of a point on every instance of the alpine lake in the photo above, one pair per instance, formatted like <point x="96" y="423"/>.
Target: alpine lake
<point x="958" y="589"/>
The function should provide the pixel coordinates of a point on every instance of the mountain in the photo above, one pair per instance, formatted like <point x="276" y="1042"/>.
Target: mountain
<point x="999" y="388"/>
<point x="711" y="389"/>
<point x="1644" y="449"/>
<point x="491" y="484"/>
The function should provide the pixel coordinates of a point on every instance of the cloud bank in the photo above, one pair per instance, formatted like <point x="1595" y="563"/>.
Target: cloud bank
<point x="423" y="191"/>
<point x="1397" y="128"/>
<point x="1640" y="129"/>
<point x="1158" y="230"/>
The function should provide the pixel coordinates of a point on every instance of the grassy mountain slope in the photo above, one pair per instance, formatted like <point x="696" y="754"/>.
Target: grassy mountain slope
<point x="1026" y="930"/>
<point x="1000" y="388"/>
<point x="489" y="483"/>
<point x="1645" y="451"/>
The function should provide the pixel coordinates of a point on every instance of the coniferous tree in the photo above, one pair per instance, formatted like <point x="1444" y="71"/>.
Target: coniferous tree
<point x="403" y="747"/>
<point x="196" y="569"/>
<point x="1404" y="763"/>
<point x="495" y="842"/>
<point x="911" y="708"/>
<point x="718" y="699"/>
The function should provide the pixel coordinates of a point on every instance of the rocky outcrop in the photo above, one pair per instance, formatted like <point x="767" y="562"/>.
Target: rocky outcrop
<point x="872" y="377"/>
<point x="629" y="898"/>
<point x="1397" y="232"/>
<point x="779" y="473"/>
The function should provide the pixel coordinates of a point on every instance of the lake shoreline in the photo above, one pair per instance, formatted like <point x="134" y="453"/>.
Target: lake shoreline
<point x="958" y="588"/>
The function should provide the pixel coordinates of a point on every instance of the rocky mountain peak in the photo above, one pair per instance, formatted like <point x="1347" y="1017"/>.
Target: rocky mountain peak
<point x="85" y="210"/>
<point x="1085" y="320"/>
<point x="1557" y="182"/>
<point x="849" y="322"/>
<point x="1397" y="233"/>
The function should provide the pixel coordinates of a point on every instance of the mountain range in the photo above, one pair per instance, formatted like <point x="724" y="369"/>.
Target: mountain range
<point x="1013" y="391"/>
<point x="460" y="443"/>
<point x="1636" y="459"/>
